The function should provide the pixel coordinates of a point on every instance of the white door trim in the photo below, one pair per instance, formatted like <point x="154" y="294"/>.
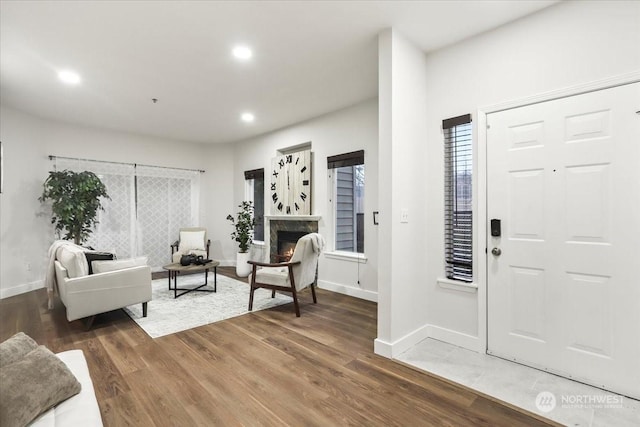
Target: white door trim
<point x="480" y="236"/>
<point x="609" y="82"/>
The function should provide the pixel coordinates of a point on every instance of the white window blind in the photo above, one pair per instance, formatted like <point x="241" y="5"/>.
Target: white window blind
<point x="254" y="192"/>
<point x="458" y="218"/>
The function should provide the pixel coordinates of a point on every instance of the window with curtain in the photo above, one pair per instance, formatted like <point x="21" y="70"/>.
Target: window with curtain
<point x="167" y="200"/>
<point x="347" y="173"/>
<point x="115" y="230"/>
<point x="148" y="206"/>
<point x="254" y="192"/>
<point x="458" y="215"/>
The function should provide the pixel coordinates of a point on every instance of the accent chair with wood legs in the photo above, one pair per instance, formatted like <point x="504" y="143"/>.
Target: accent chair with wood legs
<point x="192" y="240"/>
<point x="293" y="276"/>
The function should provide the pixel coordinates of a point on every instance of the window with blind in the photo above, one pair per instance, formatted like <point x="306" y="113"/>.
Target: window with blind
<point x="347" y="171"/>
<point x="458" y="216"/>
<point x="254" y="192"/>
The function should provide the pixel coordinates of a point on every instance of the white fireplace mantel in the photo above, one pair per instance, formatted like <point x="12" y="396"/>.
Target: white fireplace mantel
<point x="293" y="217"/>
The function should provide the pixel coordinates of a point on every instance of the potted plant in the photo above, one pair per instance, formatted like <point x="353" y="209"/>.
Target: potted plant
<point x="243" y="234"/>
<point x="75" y="202"/>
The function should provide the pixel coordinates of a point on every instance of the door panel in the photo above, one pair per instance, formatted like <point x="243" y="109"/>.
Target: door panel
<point x="564" y="295"/>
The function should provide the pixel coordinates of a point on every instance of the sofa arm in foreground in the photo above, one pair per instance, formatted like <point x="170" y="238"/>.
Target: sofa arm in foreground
<point x="79" y="410"/>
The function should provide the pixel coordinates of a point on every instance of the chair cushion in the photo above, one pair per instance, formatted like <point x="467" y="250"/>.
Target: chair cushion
<point x="177" y="255"/>
<point x="73" y="260"/>
<point x="191" y="240"/>
<point x="32" y="385"/>
<point x="273" y="276"/>
<point x="15" y="348"/>
<point x="118" y="264"/>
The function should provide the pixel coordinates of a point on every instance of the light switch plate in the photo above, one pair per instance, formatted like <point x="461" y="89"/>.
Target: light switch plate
<point x="404" y="215"/>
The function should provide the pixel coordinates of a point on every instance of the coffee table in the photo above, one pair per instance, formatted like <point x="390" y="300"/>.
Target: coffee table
<point x="176" y="268"/>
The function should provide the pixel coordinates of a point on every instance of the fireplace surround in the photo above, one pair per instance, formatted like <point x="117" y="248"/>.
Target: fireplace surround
<point x="287" y="243"/>
<point x="291" y="228"/>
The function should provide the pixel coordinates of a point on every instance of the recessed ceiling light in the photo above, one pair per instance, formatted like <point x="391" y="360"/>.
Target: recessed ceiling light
<point x="242" y="52"/>
<point x="69" y="77"/>
<point x="247" y="117"/>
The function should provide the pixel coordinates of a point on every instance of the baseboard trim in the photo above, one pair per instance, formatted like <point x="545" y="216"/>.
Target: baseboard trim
<point x="399" y="346"/>
<point x="456" y="338"/>
<point x="21" y="289"/>
<point x="383" y="348"/>
<point x="394" y="349"/>
<point x="348" y="290"/>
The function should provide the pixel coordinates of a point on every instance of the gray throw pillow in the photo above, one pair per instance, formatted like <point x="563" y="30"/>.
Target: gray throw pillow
<point x="32" y="385"/>
<point x="15" y="348"/>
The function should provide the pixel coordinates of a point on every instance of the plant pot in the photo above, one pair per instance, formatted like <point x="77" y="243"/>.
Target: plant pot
<point x="243" y="269"/>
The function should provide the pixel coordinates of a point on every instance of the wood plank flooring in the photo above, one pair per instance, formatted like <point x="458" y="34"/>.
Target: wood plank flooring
<point x="266" y="368"/>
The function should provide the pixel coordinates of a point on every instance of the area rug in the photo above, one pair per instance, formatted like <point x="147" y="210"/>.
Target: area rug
<point x="166" y="315"/>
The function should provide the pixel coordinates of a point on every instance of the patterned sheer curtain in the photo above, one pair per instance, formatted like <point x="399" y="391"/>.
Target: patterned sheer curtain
<point x="148" y="206"/>
<point x="115" y="231"/>
<point x="167" y="201"/>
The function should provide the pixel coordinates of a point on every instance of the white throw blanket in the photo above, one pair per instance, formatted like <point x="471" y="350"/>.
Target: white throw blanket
<point x="50" y="274"/>
<point x="317" y="241"/>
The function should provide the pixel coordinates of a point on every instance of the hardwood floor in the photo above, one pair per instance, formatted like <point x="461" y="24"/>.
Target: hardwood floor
<point x="265" y="368"/>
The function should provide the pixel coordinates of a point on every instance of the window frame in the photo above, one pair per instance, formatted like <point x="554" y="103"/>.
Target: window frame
<point x="250" y="177"/>
<point x="334" y="163"/>
<point x="458" y="178"/>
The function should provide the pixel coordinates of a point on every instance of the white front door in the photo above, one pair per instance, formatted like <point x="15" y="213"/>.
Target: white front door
<point x="563" y="177"/>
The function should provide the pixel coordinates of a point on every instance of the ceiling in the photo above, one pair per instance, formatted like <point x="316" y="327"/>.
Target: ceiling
<point x="310" y="58"/>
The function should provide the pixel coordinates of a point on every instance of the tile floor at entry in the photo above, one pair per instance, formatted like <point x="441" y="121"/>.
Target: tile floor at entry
<point x="519" y="385"/>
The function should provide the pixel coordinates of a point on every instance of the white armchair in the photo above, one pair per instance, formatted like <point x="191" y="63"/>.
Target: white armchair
<point x="85" y="295"/>
<point x="293" y="276"/>
<point x="192" y="240"/>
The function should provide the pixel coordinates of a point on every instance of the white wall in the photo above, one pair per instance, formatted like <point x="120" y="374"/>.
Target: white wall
<point x="25" y="225"/>
<point x="350" y="129"/>
<point x="25" y="228"/>
<point x="217" y="193"/>
<point x="403" y="99"/>
<point x="565" y="45"/>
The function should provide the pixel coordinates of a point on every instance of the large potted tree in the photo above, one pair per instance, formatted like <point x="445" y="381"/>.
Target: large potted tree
<point x="243" y="234"/>
<point x="76" y="198"/>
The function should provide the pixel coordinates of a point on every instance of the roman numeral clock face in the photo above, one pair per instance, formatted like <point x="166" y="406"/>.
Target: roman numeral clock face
<point x="291" y="184"/>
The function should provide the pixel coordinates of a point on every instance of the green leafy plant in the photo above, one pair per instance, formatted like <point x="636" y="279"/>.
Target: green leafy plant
<point x="243" y="233"/>
<point x="75" y="202"/>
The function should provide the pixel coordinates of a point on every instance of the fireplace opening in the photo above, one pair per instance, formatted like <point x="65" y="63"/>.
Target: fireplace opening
<point x="286" y="244"/>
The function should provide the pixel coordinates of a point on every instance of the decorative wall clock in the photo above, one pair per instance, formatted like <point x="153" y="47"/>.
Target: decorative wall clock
<point x="291" y="184"/>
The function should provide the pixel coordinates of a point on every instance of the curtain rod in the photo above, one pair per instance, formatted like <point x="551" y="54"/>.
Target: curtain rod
<point x="51" y="157"/>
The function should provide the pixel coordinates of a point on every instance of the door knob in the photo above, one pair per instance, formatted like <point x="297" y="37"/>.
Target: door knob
<point x="496" y="251"/>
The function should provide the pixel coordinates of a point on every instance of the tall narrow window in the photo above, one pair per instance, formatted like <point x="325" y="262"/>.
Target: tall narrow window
<point x="254" y="192"/>
<point x="458" y="215"/>
<point x="348" y="201"/>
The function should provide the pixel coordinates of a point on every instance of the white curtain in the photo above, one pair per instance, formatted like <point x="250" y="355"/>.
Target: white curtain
<point x="167" y="201"/>
<point x="148" y="206"/>
<point x="115" y="231"/>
